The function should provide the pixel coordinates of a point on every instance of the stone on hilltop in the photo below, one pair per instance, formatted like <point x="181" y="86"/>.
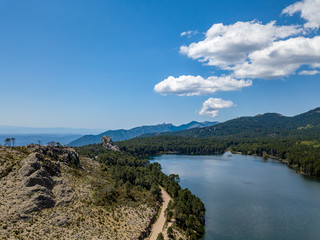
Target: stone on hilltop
<point x="108" y="144"/>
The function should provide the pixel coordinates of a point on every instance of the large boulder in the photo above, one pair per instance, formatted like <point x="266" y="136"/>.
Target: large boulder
<point x="108" y="144"/>
<point x="40" y="181"/>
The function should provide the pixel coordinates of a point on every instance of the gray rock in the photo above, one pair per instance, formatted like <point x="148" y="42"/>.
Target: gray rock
<point x="64" y="194"/>
<point x="37" y="188"/>
<point x="108" y="144"/>
<point x="40" y="177"/>
<point x="60" y="153"/>
<point x="39" y="183"/>
<point x="39" y="201"/>
<point x="31" y="165"/>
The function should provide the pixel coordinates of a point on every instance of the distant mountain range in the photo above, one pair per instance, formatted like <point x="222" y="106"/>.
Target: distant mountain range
<point x="122" y="134"/>
<point x="25" y="139"/>
<point x="26" y="135"/>
<point x="33" y="130"/>
<point x="262" y="125"/>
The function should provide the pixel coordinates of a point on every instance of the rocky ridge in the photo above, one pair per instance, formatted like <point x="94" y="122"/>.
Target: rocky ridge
<point x="38" y="184"/>
<point x="48" y="192"/>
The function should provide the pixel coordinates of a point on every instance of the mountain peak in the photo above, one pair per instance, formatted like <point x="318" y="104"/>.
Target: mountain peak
<point x="122" y="134"/>
<point x="269" y="115"/>
<point x="261" y="125"/>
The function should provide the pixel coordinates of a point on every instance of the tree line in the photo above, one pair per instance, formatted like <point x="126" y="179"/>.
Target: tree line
<point x="9" y="142"/>
<point x="301" y="152"/>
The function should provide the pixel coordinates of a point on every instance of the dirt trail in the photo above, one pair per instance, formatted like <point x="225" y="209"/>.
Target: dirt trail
<point x="158" y="225"/>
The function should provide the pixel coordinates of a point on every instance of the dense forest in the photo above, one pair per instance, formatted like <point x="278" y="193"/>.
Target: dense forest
<point x="299" y="152"/>
<point x="172" y="144"/>
<point x="131" y="173"/>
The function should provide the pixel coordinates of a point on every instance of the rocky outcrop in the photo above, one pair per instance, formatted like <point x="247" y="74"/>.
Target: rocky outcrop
<point x="37" y="181"/>
<point x="108" y="144"/>
<point x="38" y="184"/>
<point x="59" y="153"/>
<point x="46" y="194"/>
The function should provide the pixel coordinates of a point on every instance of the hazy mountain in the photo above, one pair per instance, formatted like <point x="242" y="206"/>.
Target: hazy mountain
<point x="27" y="135"/>
<point x="122" y="134"/>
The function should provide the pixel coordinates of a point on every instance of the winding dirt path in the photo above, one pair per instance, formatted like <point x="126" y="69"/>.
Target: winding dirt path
<point x="158" y="225"/>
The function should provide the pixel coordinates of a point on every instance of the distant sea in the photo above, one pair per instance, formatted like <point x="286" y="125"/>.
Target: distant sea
<point x="25" y="139"/>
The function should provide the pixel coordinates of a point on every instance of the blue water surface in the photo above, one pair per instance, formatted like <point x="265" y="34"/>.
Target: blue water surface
<point x="247" y="197"/>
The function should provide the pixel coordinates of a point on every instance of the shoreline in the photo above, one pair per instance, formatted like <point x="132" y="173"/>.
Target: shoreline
<point x="284" y="161"/>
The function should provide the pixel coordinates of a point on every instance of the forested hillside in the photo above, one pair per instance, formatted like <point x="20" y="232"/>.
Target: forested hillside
<point x="264" y="125"/>
<point x="55" y="192"/>
<point x="294" y="140"/>
<point x="133" y="174"/>
<point x="301" y="153"/>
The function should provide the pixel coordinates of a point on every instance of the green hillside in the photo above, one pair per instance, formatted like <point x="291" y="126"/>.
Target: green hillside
<point x="265" y="125"/>
<point x="293" y="140"/>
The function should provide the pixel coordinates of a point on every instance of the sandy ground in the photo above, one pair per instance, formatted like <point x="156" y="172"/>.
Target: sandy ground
<point x="158" y="225"/>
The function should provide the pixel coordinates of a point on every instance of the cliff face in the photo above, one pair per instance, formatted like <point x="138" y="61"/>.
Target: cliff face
<point x="48" y="192"/>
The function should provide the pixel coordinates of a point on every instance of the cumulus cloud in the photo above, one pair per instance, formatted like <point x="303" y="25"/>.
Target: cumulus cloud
<point x="281" y="59"/>
<point x="228" y="45"/>
<point x="310" y="73"/>
<point x="310" y="11"/>
<point x="249" y="50"/>
<point x="187" y="85"/>
<point x="189" y="33"/>
<point x="212" y="105"/>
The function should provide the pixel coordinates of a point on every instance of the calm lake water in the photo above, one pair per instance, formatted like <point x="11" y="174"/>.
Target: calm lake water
<point x="249" y="198"/>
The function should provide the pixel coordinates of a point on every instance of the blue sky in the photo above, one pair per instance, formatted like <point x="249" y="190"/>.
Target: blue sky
<point x="95" y="64"/>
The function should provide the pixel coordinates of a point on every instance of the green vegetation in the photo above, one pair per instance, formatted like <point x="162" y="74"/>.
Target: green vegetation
<point x="294" y="140"/>
<point x="265" y="125"/>
<point x="131" y="174"/>
<point x="9" y="142"/>
<point x="301" y="153"/>
<point x="172" y="144"/>
<point x="170" y="233"/>
<point x="130" y="178"/>
<point x="160" y="236"/>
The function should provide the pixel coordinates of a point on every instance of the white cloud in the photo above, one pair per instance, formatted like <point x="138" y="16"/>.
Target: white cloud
<point x="310" y="73"/>
<point x="187" y="85"/>
<point x="310" y="11"/>
<point x="189" y="33"/>
<point x="228" y="45"/>
<point x="249" y="50"/>
<point x="212" y="105"/>
<point x="281" y="59"/>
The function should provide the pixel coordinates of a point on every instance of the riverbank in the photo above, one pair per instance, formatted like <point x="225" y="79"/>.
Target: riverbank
<point x="284" y="161"/>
